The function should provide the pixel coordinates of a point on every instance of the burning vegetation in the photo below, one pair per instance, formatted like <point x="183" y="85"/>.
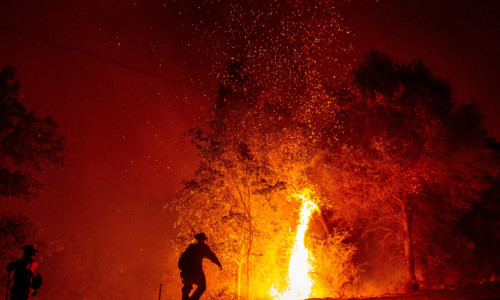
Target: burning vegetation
<point x="318" y="180"/>
<point x="389" y="162"/>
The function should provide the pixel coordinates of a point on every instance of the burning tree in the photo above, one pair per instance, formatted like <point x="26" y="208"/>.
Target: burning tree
<point x="406" y="153"/>
<point x="256" y="153"/>
<point x="228" y="196"/>
<point x="253" y="158"/>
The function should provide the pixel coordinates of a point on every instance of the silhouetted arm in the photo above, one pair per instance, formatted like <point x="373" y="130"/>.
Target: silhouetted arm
<point x="213" y="258"/>
<point x="37" y="282"/>
<point x="12" y="266"/>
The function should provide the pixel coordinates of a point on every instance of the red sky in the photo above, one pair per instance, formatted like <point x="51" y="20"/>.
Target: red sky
<point x="125" y="152"/>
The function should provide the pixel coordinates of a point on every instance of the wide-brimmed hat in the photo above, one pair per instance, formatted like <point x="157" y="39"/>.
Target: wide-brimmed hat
<point x="201" y="236"/>
<point x="29" y="249"/>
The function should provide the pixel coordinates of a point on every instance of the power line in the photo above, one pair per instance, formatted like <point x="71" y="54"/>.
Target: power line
<point x="83" y="51"/>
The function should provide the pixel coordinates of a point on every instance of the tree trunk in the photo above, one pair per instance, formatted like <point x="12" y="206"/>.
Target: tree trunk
<point x="238" y="280"/>
<point x="321" y="220"/>
<point x="250" y="240"/>
<point x="411" y="283"/>
<point x="248" y="274"/>
<point x="249" y="252"/>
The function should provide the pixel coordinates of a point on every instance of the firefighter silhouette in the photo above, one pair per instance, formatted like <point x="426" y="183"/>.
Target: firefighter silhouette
<point x="190" y="264"/>
<point x="27" y="280"/>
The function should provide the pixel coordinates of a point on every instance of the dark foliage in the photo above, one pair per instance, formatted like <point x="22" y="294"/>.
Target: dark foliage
<point x="27" y="143"/>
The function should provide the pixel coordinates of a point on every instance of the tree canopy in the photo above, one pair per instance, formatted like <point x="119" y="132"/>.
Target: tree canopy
<point x="28" y="143"/>
<point x="409" y="158"/>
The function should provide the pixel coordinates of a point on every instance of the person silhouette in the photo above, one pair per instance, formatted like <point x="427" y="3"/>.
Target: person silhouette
<point x="27" y="280"/>
<point x="190" y="264"/>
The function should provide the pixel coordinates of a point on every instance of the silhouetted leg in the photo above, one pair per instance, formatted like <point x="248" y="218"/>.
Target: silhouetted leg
<point x="19" y="295"/>
<point x="201" y="285"/>
<point x="186" y="289"/>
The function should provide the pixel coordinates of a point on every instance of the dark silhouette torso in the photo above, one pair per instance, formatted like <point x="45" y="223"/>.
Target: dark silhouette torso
<point x="197" y="252"/>
<point x="26" y="278"/>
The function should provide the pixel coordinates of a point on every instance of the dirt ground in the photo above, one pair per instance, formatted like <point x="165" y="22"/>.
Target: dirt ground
<point x="486" y="292"/>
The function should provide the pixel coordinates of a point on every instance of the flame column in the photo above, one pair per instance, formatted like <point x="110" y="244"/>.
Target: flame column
<point x="299" y="267"/>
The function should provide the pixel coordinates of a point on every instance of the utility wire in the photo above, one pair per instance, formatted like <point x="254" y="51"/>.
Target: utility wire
<point x="83" y="51"/>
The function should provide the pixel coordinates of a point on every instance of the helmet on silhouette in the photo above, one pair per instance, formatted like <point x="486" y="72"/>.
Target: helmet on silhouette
<point x="201" y="237"/>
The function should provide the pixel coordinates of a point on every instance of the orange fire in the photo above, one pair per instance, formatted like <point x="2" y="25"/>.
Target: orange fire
<point x="299" y="266"/>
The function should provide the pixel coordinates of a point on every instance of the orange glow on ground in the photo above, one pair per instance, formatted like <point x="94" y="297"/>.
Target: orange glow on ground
<point x="299" y="266"/>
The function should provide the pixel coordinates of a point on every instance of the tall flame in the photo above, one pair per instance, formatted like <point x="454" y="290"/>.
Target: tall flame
<point x="299" y="267"/>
